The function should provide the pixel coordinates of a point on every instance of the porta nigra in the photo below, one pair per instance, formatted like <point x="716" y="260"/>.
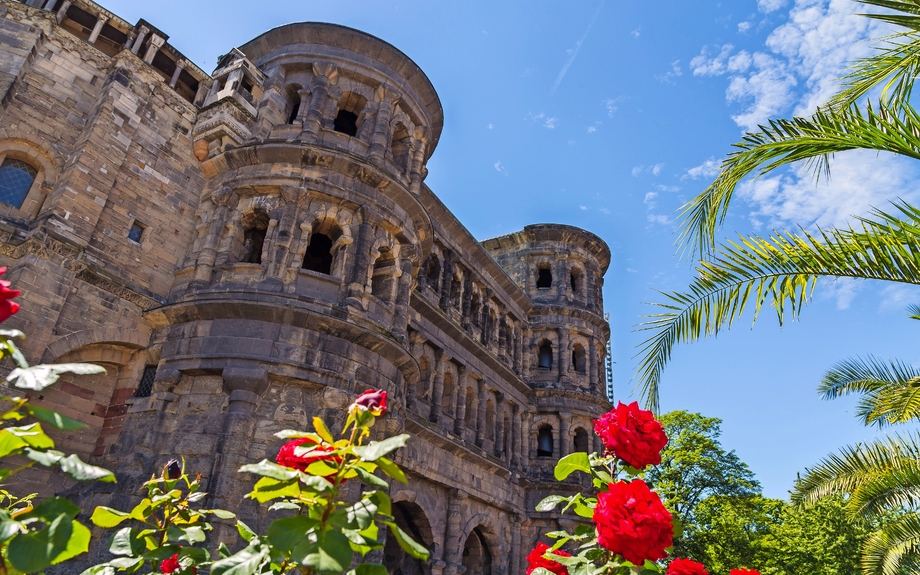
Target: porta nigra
<point x="245" y="249"/>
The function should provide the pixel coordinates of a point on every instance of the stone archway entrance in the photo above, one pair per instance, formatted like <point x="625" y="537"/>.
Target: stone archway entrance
<point x="411" y="519"/>
<point x="477" y="559"/>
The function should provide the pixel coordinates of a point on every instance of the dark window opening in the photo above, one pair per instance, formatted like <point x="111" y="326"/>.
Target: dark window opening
<point x="578" y="359"/>
<point x="16" y="179"/>
<point x="576" y="282"/>
<point x="346" y="122"/>
<point x="136" y="232"/>
<point x="145" y="387"/>
<point x="294" y="98"/>
<point x="581" y="440"/>
<point x="319" y="254"/>
<point x="399" y="147"/>
<point x="544" y="278"/>
<point x="382" y="278"/>
<point x="545" y="441"/>
<point x="545" y="356"/>
<point x="255" y="225"/>
<point x="434" y="273"/>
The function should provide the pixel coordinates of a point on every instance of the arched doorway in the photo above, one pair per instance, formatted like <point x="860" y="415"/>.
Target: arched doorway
<point x="476" y="555"/>
<point x="411" y="519"/>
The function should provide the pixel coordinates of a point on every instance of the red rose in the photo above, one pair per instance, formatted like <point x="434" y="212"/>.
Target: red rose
<point x="536" y="559"/>
<point x="288" y="458"/>
<point x="374" y="400"/>
<point x="632" y="522"/>
<point x="632" y="434"/>
<point x="686" y="567"/>
<point x="171" y="565"/>
<point x="7" y="307"/>
<point x="744" y="572"/>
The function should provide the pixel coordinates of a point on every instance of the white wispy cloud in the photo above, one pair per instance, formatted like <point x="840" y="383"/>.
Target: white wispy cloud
<point x="550" y="123"/>
<point x="546" y="121"/>
<point x="770" y="5"/>
<point x="840" y="290"/>
<point x="675" y="72"/>
<point x="896" y="298"/>
<point x="659" y="219"/>
<point x="500" y="168"/>
<point x="611" y="105"/>
<point x="744" y="27"/>
<point x="592" y="129"/>
<point x="573" y="53"/>
<point x="649" y="200"/>
<point x="635" y="33"/>
<point x="654" y="169"/>
<point x="708" y="169"/>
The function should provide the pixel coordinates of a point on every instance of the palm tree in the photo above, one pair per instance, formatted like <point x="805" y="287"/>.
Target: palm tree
<point x="881" y="479"/>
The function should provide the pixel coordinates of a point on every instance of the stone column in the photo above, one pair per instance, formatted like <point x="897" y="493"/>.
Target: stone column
<point x="565" y="433"/>
<point x="518" y="345"/>
<point x="526" y="438"/>
<point x="142" y="33"/>
<point x="447" y="279"/>
<point x="204" y="87"/>
<point x="403" y="291"/>
<point x="207" y="255"/>
<point x="304" y="105"/>
<point x="499" y="440"/>
<point x="245" y="388"/>
<point x="593" y="381"/>
<point x="516" y="439"/>
<point x="467" y="301"/>
<point x="563" y="351"/>
<point x="460" y="401"/>
<point x="357" y="286"/>
<point x="281" y="246"/>
<point x="415" y="348"/>
<point x="528" y="352"/>
<point x="325" y="76"/>
<point x="156" y="42"/>
<point x="180" y="65"/>
<point x="437" y="385"/>
<point x="49" y="4"/>
<point x="481" y="416"/>
<point x="62" y="11"/>
<point x="517" y="524"/>
<point x="589" y="286"/>
<point x="453" y="547"/>
<point x="97" y="29"/>
<point x="417" y="161"/>
<point x="380" y="139"/>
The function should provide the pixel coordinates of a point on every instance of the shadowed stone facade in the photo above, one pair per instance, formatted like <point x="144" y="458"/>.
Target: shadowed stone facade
<point x="250" y="248"/>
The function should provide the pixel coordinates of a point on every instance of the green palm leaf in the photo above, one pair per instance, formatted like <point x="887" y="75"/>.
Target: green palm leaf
<point x="891" y="390"/>
<point x="781" y="269"/>
<point x="895" y="548"/>
<point x="783" y="142"/>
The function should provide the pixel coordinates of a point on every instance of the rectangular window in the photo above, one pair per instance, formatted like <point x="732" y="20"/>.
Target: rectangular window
<point x="136" y="231"/>
<point x="146" y="385"/>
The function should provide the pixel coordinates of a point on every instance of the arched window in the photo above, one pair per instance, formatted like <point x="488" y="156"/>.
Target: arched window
<point x="545" y="441"/>
<point x="293" y="93"/>
<point x="16" y="179"/>
<point x="578" y="358"/>
<point x="581" y="440"/>
<point x="434" y="272"/>
<point x="469" y="416"/>
<point x="490" y="419"/>
<point x="544" y="278"/>
<point x="255" y="225"/>
<point x="348" y="118"/>
<point x="319" y="254"/>
<point x="400" y="147"/>
<point x="447" y="396"/>
<point x="475" y="309"/>
<point x="424" y="366"/>
<point x="575" y="280"/>
<point x="545" y="356"/>
<point x="382" y="283"/>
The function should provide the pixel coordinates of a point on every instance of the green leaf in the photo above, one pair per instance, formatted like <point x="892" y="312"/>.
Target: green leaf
<point x="107" y="518"/>
<point x="328" y="553"/>
<point x="321" y="469"/>
<point x="408" y="544"/>
<point x="371" y="479"/>
<point x="71" y="465"/>
<point x="193" y="534"/>
<point x="76" y="545"/>
<point x="32" y="434"/>
<point x="322" y="430"/>
<point x="220" y="513"/>
<point x="392" y="470"/>
<point x="268" y="469"/>
<point x="126" y="542"/>
<point x="34" y="551"/>
<point x="38" y="377"/>
<point x="8" y="526"/>
<point x="57" y="420"/>
<point x="377" y="449"/>
<point x="11" y="444"/>
<point x="269" y="488"/>
<point x="104" y="569"/>
<point x="550" y="503"/>
<point x="382" y="501"/>
<point x="286" y="533"/>
<point x="369" y="569"/>
<point x="361" y="514"/>
<point x="247" y="561"/>
<point x="571" y="463"/>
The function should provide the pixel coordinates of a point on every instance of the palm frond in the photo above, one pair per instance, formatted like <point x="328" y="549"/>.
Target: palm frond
<point x="893" y="547"/>
<point x="782" y="269"/>
<point x="784" y="142"/>
<point x="913" y="311"/>
<point x="891" y="389"/>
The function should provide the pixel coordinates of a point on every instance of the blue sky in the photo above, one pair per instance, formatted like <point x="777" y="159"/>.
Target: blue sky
<point x="608" y="115"/>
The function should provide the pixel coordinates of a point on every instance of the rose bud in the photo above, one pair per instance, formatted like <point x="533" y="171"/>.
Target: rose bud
<point x="373" y="400"/>
<point x="7" y="307"/>
<point x="172" y="470"/>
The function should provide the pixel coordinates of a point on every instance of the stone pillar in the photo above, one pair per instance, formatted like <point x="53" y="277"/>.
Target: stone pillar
<point x="467" y="301"/>
<point x="62" y="11"/>
<point x="481" y="416"/>
<point x="437" y="385"/>
<point x="97" y="29"/>
<point x="417" y="161"/>
<point x="156" y="42"/>
<point x="503" y="336"/>
<point x="357" y="286"/>
<point x="499" y="440"/>
<point x="518" y="345"/>
<point x="403" y="291"/>
<point x="304" y="105"/>
<point x="49" y="4"/>
<point x="526" y="438"/>
<point x="517" y="524"/>
<point x="207" y="255"/>
<point x="245" y="388"/>
<point x="563" y="351"/>
<point x="325" y="76"/>
<point x="447" y="279"/>
<point x="415" y="348"/>
<point x="565" y="433"/>
<point x="460" y="401"/>
<point x="204" y="87"/>
<point x="142" y="33"/>
<point x="380" y="139"/>
<point x="593" y="382"/>
<point x="528" y="353"/>
<point x="281" y="246"/>
<point x="516" y="440"/>
<point x="589" y="286"/>
<point x="453" y="546"/>
<point x="180" y="65"/>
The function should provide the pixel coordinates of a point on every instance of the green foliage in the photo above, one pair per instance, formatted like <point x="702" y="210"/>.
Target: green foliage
<point x="166" y="524"/>
<point x="695" y="466"/>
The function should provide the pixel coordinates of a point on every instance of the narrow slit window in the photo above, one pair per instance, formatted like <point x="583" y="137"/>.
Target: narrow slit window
<point x="136" y="232"/>
<point x="544" y="278"/>
<point x="145" y="387"/>
<point x="545" y="441"/>
<point x="545" y="356"/>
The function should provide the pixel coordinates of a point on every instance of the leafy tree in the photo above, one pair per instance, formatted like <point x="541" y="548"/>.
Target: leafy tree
<point x="694" y="466"/>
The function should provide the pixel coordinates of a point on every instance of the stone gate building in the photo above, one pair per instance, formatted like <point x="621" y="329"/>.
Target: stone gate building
<point x="246" y="249"/>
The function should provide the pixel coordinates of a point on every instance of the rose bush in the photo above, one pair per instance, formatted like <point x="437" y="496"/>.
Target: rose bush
<point x="633" y="434"/>
<point x="537" y="559"/>
<point x="631" y="521"/>
<point x="7" y="307"/>
<point x="686" y="567"/>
